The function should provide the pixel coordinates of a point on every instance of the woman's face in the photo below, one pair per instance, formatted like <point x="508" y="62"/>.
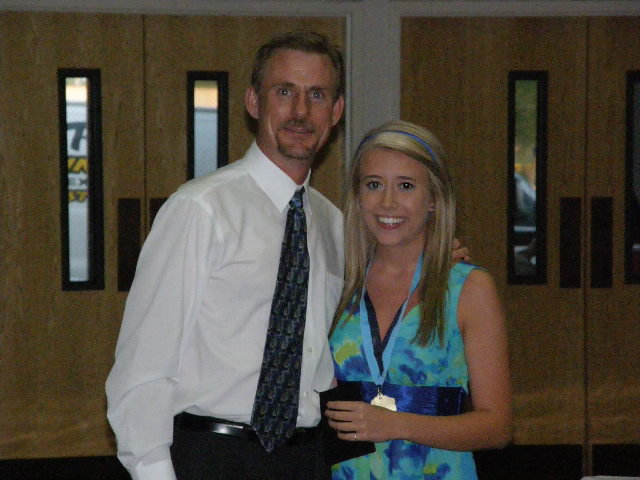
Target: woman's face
<point x="394" y="198"/>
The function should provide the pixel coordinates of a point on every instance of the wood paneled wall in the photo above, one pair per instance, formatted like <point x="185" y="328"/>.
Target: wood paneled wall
<point x="574" y="356"/>
<point x="56" y="347"/>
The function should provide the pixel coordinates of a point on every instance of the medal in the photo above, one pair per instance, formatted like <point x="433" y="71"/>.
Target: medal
<point x="383" y="401"/>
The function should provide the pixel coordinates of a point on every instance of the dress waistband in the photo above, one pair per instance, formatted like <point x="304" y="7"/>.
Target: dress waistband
<point x="436" y="401"/>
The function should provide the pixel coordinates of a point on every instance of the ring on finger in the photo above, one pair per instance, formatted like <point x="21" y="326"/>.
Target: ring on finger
<point x="355" y="436"/>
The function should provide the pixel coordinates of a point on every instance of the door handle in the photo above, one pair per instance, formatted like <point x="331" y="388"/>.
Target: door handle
<point x="601" y="242"/>
<point x="154" y="206"/>
<point x="570" y="242"/>
<point x="129" y="234"/>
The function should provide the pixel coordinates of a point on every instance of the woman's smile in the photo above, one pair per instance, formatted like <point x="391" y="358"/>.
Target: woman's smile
<point x="394" y="197"/>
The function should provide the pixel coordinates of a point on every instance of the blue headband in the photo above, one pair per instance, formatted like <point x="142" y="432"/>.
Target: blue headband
<point x="426" y="146"/>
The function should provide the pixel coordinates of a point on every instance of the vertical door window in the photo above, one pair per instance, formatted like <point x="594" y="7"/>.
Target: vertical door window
<point x="81" y="179"/>
<point x="527" y="178"/>
<point x="632" y="201"/>
<point x="207" y="120"/>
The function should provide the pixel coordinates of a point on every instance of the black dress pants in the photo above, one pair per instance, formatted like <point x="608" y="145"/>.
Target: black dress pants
<point x="210" y="456"/>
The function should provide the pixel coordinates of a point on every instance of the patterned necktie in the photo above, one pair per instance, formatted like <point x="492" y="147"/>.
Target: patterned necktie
<point x="275" y="409"/>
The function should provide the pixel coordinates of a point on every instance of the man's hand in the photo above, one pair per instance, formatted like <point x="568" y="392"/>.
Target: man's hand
<point x="460" y="253"/>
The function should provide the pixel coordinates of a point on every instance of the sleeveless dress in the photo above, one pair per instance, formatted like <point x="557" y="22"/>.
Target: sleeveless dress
<point x="411" y="365"/>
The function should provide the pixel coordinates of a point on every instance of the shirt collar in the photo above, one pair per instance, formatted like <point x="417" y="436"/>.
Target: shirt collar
<point x="276" y="184"/>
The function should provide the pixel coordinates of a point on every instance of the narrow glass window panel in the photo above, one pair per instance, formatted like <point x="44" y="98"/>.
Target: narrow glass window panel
<point x="207" y="122"/>
<point x="78" y="177"/>
<point x="632" y="201"/>
<point x="527" y="178"/>
<point x="81" y="179"/>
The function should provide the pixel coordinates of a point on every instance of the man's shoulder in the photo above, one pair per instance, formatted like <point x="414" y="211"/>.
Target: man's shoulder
<point x="218" y="182"/>
<point x="323" y="204"/>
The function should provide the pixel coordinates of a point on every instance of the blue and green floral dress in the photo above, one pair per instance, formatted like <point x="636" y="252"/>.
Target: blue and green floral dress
<point x="410" y="365"/>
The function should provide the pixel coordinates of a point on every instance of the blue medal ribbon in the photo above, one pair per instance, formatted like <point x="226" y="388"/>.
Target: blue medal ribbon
<point x="423" y="400"/>
<point x="365" y="328"/>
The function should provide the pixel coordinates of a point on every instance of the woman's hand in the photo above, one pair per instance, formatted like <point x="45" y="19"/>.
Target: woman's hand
<point x="359" y="421"/>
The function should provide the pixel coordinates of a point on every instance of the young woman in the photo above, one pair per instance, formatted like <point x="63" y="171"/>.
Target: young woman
<point x="425" y="337"/>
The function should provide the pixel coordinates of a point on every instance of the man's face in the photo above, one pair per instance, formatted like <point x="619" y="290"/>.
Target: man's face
<point x="295" y="107"/>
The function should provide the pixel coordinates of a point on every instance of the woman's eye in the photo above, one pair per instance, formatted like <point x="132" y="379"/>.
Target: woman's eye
<point x="406" y="186"/>
<point x="373" y="185"/>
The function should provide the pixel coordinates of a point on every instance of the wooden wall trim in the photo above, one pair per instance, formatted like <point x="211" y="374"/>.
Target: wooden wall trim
<point x="485" y="8"/>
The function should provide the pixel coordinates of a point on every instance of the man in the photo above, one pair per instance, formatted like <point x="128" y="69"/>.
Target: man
<point x="192" y="341"/>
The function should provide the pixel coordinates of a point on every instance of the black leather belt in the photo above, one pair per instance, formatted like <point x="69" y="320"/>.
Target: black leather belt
<point x="198" y="423"/>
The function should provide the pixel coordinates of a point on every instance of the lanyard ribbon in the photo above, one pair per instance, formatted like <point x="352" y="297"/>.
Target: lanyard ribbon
<point x="365" y="328"/>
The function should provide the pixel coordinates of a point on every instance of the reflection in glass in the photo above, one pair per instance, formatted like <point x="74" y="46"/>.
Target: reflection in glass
<point x="207" y="122"/>
<point x="205" y="126"/>
<point x="81" y="179"/>
<point x="525" y="176"/>
<point x="78" y="178"/>
<point x="632" y="207"/>
<point x="527" y="92"/>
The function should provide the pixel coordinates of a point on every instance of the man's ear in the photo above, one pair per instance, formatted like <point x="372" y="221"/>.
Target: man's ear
<point x="251" y="102"/>
<point x="338" y="108"/>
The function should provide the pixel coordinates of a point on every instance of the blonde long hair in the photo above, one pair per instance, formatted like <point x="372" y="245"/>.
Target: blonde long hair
<point x="421" y="145"/>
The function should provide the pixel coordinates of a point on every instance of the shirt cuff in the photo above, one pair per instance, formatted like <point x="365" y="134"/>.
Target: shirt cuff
<point x="155" y="465"/>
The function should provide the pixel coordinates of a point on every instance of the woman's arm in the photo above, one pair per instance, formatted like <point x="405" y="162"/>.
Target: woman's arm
<point x="488" y="425"/>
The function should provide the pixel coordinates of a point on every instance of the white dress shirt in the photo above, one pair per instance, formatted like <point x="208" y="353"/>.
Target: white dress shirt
<point x="195" y="321"/>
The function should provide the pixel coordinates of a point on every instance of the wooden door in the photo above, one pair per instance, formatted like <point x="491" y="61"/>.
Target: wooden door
<point x="57" y="346"/>
<point x="177" y="45"/>
<point x="573" y="348"/>
<point x="459" y="89"/>
<point x="613" y="309"/>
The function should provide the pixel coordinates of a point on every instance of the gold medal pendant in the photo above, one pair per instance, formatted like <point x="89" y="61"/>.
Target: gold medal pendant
<point x="383" y="401"/>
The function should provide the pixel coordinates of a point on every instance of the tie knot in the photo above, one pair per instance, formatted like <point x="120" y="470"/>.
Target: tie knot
<point x="296" y="200"/>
